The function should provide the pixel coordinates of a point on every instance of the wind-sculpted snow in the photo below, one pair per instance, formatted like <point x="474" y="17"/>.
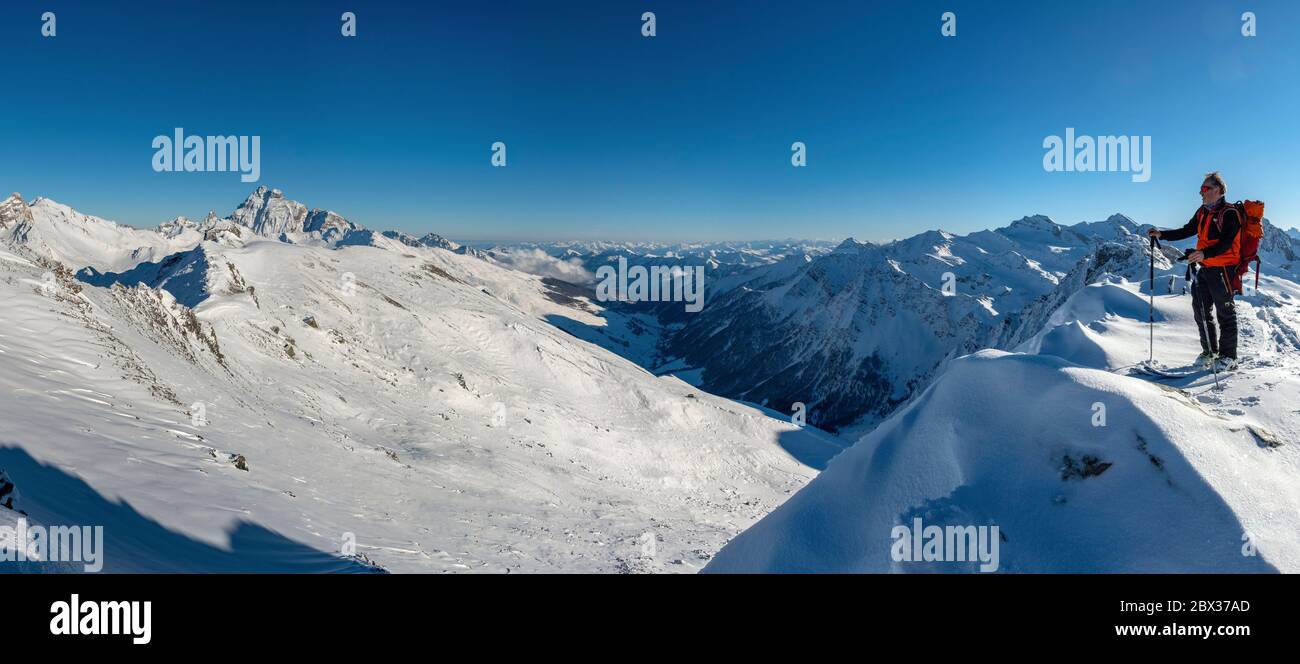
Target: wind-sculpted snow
<point x="1162" y="484"/>
<point x="1110" y="262"/>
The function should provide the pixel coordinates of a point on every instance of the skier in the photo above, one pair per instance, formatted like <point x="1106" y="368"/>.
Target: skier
<point x="1217" y="227"/>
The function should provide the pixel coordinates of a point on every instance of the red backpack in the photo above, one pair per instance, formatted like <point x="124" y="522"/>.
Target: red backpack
<point x="1251" y="214"/>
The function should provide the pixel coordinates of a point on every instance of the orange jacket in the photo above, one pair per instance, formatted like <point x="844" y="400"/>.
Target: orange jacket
<point x="1218" y="234"/>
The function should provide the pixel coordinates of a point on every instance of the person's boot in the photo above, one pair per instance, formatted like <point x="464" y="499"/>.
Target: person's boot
<point x="1225" y="364"/>
<point x="1205" y="360"/>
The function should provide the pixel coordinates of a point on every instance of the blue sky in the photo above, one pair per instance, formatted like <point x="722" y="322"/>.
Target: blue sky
<point x="682" y="136"/>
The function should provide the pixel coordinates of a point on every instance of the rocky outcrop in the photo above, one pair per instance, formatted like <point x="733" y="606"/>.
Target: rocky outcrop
<point x="14" y="211"/>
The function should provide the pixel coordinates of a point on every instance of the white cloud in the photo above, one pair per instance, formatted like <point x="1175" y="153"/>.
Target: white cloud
<point x="538" y="262"/>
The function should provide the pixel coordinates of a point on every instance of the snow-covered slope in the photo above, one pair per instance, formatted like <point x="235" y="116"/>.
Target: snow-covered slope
<point x="1173" y="478"/>
<point x="412" y="397"/>
<point x="65" y="235"/>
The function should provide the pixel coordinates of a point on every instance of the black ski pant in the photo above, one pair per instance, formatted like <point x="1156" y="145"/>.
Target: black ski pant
<point x="1212" y="294"/>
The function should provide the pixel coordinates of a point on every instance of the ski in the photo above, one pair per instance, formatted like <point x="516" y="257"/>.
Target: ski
<point x="1152" y="369"/>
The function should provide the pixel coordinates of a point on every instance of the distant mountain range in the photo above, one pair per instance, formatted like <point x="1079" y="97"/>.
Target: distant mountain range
<point x="854" y="332"/>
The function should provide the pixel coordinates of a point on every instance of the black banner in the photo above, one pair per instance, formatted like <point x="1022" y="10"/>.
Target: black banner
<point x="340" y="613"/>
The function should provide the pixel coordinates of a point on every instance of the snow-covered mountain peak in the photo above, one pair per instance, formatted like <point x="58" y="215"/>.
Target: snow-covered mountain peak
<point x="1122" y="224"/>
<point x="1116" y="228"/>
<point x="926" y="243"/>
<point x="13" y="211"/>
<point x="175" y="227"/>
<point x="1039" y="231"/>
<point x="269" y="214"/>
<point x="263" y="192"/>
<point x="435" y="240"/>
<point x="1279" y="245"/>
<point x="44" y="203"/>
<point x="427" y="240"/>
<point x="1035" y="221"/>
<point x="851" y="246"/>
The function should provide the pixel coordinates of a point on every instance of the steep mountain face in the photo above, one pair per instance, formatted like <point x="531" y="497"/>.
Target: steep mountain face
<point x="855" y="333"/>
<point x="1280" y="247"/>
<point x="269" y="214"/>
<point x="244" y="405"/>
<point x="849" y="334"/>
<point x="14" y="211"/>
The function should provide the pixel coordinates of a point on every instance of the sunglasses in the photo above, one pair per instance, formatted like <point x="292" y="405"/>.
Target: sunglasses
<point x="1206" y="187"/>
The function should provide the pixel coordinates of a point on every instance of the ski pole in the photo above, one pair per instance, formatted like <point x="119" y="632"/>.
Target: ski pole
<point x="1151" y="307"/>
